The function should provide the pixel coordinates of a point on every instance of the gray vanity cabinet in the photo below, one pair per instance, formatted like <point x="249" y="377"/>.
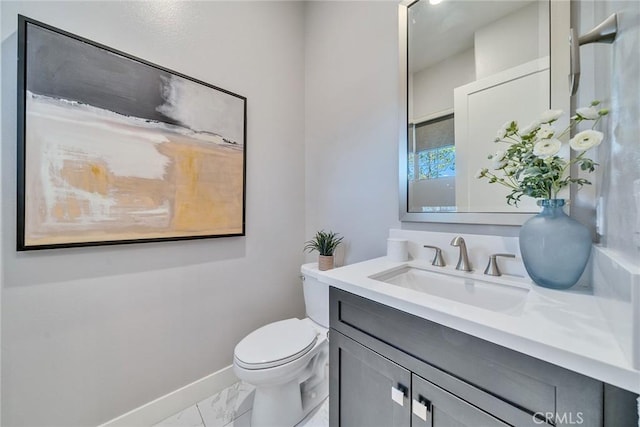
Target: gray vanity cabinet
<point x="373" y="391"/>
<point x="389" y="368"/>
<point x="376" y="392"/>
<point x="366" y="383"/>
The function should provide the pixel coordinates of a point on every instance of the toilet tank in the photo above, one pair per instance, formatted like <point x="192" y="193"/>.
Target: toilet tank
<point x="316" y="295"/>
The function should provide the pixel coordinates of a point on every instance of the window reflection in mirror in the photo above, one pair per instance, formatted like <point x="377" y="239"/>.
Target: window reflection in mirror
<point x="490" y="54"/>
<point x="432" y="164"/>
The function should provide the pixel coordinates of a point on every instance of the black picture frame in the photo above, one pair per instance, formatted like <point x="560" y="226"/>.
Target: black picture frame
<point x="113" y="149"/>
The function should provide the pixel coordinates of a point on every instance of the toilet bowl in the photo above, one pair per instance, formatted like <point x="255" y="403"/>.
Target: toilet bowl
<point x="287" y="361"/>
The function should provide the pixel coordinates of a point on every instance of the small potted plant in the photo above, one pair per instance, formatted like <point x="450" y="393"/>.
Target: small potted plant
<point x="325" y="242"/>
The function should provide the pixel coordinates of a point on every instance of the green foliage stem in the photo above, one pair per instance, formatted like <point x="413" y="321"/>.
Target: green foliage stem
<point x="527" y="174"/>
<point x="325" y="242"/>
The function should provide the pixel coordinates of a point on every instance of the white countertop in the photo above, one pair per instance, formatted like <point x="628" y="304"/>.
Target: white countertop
<point x="565" y="328"/>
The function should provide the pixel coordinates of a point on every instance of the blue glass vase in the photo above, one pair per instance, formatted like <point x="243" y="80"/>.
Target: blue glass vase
<point x="555" y="248"/>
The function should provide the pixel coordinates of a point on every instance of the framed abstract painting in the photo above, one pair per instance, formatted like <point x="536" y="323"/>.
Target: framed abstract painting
<point x="113" y="149"/>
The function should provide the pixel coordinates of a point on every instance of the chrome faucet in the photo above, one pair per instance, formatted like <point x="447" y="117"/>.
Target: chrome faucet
<point x="463" y="260"/>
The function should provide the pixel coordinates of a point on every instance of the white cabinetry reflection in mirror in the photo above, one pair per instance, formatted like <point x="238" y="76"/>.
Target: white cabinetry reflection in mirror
<point x="521" y="92"/>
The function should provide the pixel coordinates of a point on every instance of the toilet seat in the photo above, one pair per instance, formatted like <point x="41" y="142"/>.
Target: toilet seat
<point x="275" y="344"/>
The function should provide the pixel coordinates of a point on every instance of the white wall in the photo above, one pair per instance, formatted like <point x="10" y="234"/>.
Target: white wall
<point x="610" y="74"/>
<point x="91" y="333"/>
<point x="518" y="38"/>
<point x="351" y="127"/>
<point x="432" y="89"/>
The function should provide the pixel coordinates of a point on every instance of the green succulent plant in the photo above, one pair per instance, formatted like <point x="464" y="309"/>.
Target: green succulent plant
<point x="325" y="242"/>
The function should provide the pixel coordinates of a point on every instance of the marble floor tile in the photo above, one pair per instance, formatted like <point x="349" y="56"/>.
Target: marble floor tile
<point x="190" y="417"/>
<point x="224" y="407"/>
<point x="319" y="417"/>
<point x="232" y="408"/>
<point x="243" y="420"/>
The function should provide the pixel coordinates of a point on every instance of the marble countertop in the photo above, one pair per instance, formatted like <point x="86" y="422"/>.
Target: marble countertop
<point x="565" y="328"/>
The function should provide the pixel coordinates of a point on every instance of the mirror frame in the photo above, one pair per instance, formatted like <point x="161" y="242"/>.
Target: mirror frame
<point x="559" y="27"/>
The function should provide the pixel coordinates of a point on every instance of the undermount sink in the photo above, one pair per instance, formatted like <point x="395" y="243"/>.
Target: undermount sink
<point x="466" y="290"/>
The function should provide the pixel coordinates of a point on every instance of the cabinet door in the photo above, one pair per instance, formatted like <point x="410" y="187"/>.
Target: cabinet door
<point x="366" y="388"/>
<point x="435" y="407"/>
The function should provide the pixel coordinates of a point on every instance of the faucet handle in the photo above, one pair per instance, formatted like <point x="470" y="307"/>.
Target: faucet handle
<point x="438" y="261"/>
<point x="492" y="268"/>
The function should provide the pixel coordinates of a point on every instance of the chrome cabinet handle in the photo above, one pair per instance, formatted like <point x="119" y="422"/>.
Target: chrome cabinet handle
<point x="398" y="394"/>
<point x="421" y="408"/>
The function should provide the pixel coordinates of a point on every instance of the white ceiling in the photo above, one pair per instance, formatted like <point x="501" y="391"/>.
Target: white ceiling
<point x="439" y="31"/>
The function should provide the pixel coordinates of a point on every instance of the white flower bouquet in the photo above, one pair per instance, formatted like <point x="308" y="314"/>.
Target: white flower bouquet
<point x="530" y="165"/>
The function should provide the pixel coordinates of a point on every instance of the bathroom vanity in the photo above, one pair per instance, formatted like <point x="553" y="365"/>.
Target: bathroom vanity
<point x="389" y="368"/>
<point x="399" y="357"/>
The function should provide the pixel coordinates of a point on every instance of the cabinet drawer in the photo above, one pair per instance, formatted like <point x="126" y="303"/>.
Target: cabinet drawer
<point x="421" y="345"/>
<point x="437" y="407"/>
<point x="452" y="402"/>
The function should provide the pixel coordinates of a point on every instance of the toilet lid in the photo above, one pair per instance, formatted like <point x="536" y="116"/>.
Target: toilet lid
<point x="275" y="344"/>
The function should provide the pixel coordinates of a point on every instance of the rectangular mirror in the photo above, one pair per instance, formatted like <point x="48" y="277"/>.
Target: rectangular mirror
<point x="467" y="67"/>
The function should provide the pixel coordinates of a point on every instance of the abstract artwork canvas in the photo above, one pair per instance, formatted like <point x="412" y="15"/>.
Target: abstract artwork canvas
<point x="114" y="149"/>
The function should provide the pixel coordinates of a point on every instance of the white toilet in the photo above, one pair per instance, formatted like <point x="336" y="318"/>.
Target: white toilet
<point x="287" y="361"/>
